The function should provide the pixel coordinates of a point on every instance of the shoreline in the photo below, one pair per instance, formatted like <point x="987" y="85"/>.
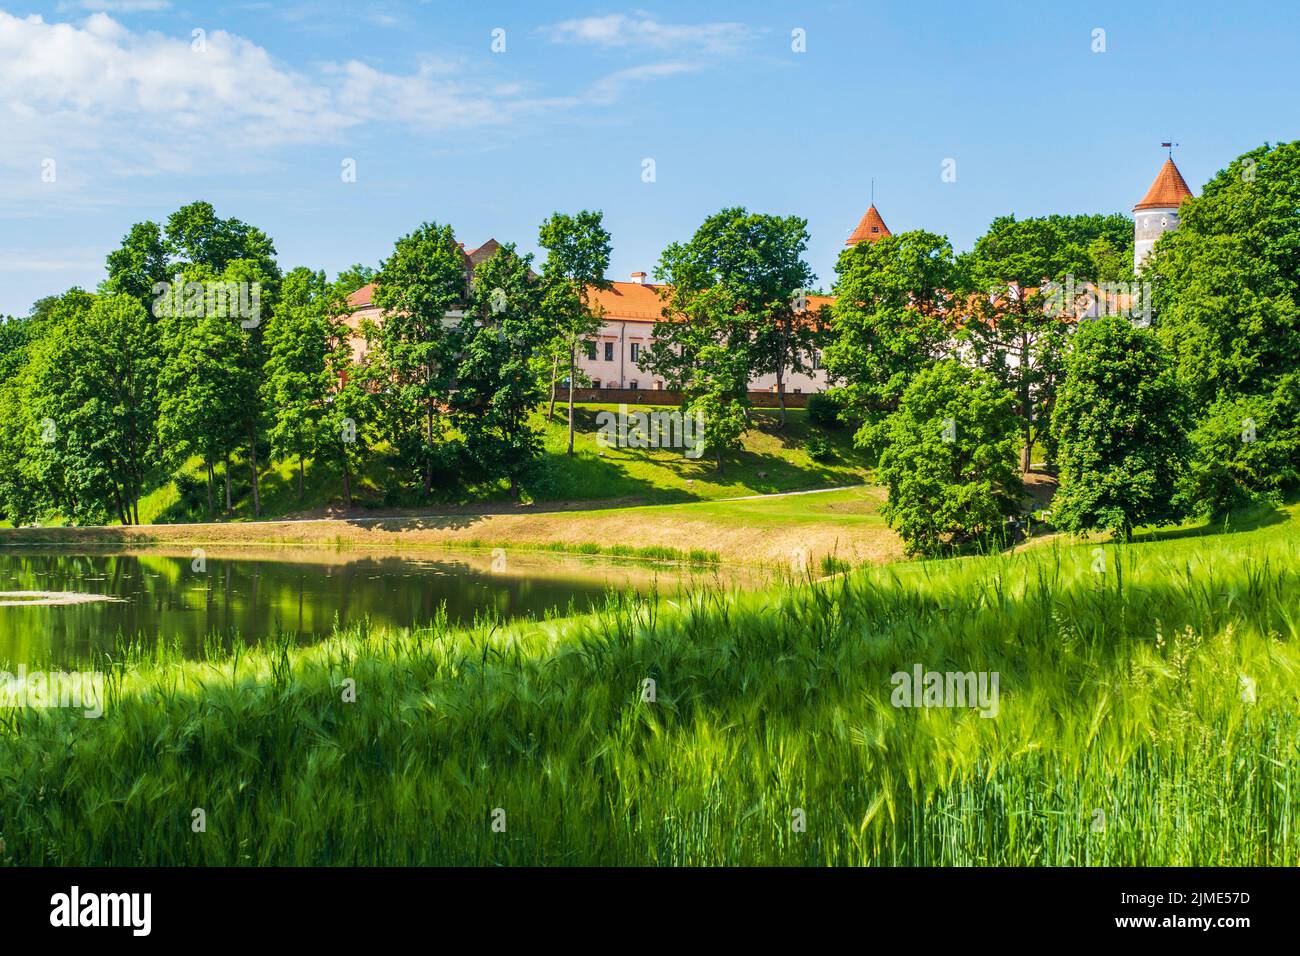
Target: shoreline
<point x="764" y="531"/>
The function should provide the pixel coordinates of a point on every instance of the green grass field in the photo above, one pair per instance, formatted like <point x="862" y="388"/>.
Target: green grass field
<point x="1148" y="714"/>
<point x="772" y="460"/>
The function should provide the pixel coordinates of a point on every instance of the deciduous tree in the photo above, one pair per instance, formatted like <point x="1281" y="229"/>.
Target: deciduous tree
<point x="1120" y="430"/>
<point x="948" y="460"/>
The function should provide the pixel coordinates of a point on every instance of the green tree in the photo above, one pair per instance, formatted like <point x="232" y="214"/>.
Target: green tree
<point x="1012" y="327"/>
<point x="423" y="280"/>
<point x="577" y="258"/>
<point x="1120" y="429"/>
<point x="296" y="386"/>
<point x="1106" y="243"/>
<point x="738" y="284"/>
<point x="724" y="418"/>
<point x="890" y="321"/>
<point x="35" y="479"/>
<point x="1227" y="303"/>
<point x="197" y="236"/>
<point x="496" y="385"/>
<point x="204" y="381"/>
<point x="94" y="382"/>
<point x="263" y="296"/>
<point x="20" y="494"/>
<point x="353" y="278"/>
<point x="1243" y="450"/>
<point x="140" y="265"/>
<point x="948" y="460"/>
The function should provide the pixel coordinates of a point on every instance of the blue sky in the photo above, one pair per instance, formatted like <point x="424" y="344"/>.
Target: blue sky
<point x="258" y="113"/>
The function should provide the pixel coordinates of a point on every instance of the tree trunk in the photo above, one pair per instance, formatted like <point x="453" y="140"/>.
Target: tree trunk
<point x="573" y="371"/>
<point x="211" y="481"/>
<point x="300" y="471"/>
<point x="347" y="481"/>
<point x="555" y="375"/>
<point x="1026" y="406"/>
<point x="780" y="397"/>
<point x="428" y="453"/>
<point x="117" y="500"/>
<point x="252" y="464"/>
<point x="226" y="473"/>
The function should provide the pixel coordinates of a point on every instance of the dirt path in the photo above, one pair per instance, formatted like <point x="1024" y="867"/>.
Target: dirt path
<point x="752" y="539"/>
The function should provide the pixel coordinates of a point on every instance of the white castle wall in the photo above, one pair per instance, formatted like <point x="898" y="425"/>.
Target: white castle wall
<point x="1148" y="226"/>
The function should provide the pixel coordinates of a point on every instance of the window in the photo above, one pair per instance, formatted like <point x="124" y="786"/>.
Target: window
<point x="817" y="360"/>
<point x="636" y="351"/>
<point x="595" y="383"/>
<point x="659" y="386"/>
<point x="590" y="347"/>
<point x="609" y="351"/>
<point x="632" y="384"/>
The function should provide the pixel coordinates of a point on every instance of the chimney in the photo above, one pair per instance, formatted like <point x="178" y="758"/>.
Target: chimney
<point x="638" y="278"/>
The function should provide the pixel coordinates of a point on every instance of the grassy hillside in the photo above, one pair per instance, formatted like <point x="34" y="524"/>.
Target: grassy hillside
<point x="1148" y="714"/>
<point x="772" y="460"/>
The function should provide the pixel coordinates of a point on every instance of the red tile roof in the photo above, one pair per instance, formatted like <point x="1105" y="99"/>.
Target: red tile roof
<point x="871" y="228"/>
<point x="629" y="300"/>
<point x="640" y="302"/>
<point x="1168" y="191"/>
<point x="363" y="298"/>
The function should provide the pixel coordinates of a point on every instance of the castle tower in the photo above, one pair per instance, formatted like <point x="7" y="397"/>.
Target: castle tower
<point x="871" y="228"/>
<point x="1157" y="213"/>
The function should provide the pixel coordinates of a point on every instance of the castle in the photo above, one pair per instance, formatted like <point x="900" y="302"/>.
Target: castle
<point x="629" y="310"/>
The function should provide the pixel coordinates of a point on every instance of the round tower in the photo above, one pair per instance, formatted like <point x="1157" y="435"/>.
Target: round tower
<point x="1157" y="213"/>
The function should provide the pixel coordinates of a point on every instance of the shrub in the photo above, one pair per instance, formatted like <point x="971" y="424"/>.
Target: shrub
<point x="824" y="410"/>
<point x="818" y="448"/>
<point x="192" y="493"/>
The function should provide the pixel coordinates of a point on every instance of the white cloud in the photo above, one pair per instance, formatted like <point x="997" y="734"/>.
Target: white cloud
<point x="104" y="102"/>
<point x="609" y="89"/>
<point x="96" y="96"/>
<point x="620" y="31"/>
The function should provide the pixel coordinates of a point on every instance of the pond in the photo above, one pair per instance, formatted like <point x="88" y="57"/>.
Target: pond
<point x="56" y="607"/>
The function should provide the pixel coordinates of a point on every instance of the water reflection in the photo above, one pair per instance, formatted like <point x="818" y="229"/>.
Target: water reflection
<point x="245" y="594"/>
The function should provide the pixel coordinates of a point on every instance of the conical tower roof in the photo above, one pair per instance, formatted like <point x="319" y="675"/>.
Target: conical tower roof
<point x="871" y="228"/>
<point x="1168" y="191"/>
